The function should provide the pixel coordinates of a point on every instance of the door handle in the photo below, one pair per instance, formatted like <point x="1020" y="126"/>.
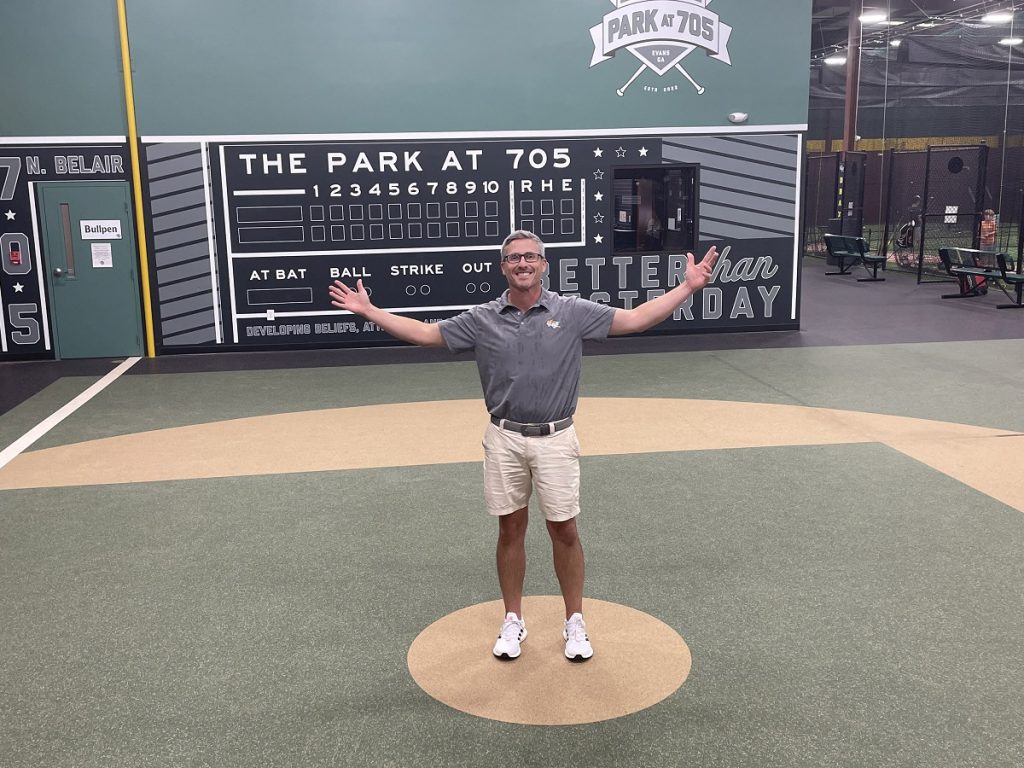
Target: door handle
<point x="58" y="272"/>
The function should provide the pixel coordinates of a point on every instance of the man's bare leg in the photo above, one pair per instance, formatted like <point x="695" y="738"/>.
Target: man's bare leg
<point x="568" y="556"/>
<point x="511" y="559"/>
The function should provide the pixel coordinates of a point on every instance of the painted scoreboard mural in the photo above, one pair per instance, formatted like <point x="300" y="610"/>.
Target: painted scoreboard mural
<point x="248" y="213"/>
<point x="247" y="235"/>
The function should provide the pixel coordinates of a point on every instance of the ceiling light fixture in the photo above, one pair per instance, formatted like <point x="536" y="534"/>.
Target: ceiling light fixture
<point x="1011" y="41"/>
<point x="835" y="61"/>
<point x="997" y="17"/>
<point x="872" y="17"/>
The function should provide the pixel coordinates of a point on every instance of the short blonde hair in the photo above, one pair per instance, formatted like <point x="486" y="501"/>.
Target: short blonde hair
<point x="522" y="234"/>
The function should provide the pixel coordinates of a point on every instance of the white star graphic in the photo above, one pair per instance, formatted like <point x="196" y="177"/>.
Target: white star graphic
<point x="18" y="287"/>
<point x="643" y="151"/>
<point x="599" y="218"/>
<point x="10" y="215"/>
<point x="598" y="238"/>
<point x="598" y="175"/>
<point x="620" y="152"/>
<point x="598" y="196"/>
<point x="598" y="152"/>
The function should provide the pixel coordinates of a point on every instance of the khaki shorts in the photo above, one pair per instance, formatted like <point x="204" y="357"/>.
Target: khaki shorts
<point x="514" y="465"/>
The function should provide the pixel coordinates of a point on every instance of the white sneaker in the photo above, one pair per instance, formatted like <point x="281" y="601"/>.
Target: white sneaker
<point x="577" y="644"/>
<point x="513" y="632"/>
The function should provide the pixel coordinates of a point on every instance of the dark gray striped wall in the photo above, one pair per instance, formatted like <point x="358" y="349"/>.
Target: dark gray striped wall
<point x="748" y="185"/>
<point x="184" y="276"/>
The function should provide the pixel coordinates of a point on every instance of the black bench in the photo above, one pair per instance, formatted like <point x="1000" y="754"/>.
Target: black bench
<point x="1010" y="279"/>
<point x="971" y="274"/>
<point x="972" y="269"/>
<point x="847" y="252"/>
<point x="976" y="258"/>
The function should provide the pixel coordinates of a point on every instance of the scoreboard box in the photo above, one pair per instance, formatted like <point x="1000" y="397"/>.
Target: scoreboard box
<point x="248" y="234"/>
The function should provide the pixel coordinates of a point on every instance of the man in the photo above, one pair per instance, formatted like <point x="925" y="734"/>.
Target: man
<point x="528" y="347"/>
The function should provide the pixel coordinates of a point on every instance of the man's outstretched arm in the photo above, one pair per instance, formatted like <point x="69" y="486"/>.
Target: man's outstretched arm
<point x="652" y="312"/>
<point x="405" y="328"/>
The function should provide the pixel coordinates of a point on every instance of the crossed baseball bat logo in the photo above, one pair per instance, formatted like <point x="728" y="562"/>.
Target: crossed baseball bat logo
<point x="621" y="91"/>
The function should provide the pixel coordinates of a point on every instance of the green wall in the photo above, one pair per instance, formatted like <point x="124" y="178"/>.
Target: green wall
<point x="60" y="69"/>
<point x="331" y="66"/>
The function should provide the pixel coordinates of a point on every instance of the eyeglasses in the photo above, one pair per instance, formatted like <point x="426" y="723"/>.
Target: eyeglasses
<point x="529" y="258"/>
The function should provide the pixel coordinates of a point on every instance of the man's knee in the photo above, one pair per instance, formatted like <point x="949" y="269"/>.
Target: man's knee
<point x="512" y="527"/>
<point x="563" y="532"/>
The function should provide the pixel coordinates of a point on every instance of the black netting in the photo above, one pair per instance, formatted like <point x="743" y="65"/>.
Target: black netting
<point x="954" y="184"/>
<point x="875" y="190"/>
<point x="904" y="206"/>
<point x="931" y="89"/>
<point x="1005" y="196"/>
<point x="821" y="206"/>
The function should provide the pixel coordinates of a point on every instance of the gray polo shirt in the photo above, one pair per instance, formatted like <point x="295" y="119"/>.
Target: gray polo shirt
<point x="529" y="362"/>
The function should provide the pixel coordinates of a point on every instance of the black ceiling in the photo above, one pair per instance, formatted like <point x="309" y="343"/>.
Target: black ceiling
<point x="831" y="18"/>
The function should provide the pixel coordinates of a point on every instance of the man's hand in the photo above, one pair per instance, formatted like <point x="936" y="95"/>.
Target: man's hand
<point x="697" y="275"/>
<point x="405" y="328"/>
<point x="343" y="297"/>
<point x="654" y="311"/>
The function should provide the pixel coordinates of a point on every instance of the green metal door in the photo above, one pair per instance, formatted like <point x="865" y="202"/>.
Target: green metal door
<point x="91" y="267"/>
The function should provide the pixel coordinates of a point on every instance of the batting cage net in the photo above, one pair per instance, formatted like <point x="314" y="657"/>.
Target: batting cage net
<point x="904" y="206"/>
<point x="939" y="104"/>
<point x="953" y="194"/>
<point x="821" y="205"/>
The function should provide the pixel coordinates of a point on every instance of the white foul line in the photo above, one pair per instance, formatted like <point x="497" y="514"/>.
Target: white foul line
<point x="11" y="452"/>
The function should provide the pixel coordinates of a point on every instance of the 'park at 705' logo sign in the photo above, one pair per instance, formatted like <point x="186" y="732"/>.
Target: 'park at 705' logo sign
<point x="660" y="33"/>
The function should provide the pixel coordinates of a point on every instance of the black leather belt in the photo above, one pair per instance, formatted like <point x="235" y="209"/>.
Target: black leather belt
<point x="532" y="430"/>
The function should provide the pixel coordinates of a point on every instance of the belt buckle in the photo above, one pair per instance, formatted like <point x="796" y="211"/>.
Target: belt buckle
<point x="536" y="430"/>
